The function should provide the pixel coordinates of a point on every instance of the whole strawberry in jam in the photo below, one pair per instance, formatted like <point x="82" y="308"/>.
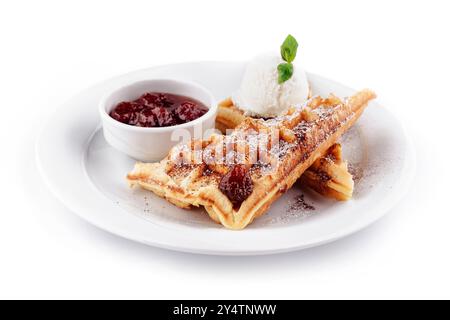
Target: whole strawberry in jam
<point x="188" y="111"/>
<point x="124" y="112"/>
<point x="146" y="118"/>
<point x="237" y="185"/>
<point x="164" y="117"/>
<point x="147" y="99"/>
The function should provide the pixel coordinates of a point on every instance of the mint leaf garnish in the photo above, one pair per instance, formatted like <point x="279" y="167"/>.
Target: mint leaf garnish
<point x="285" y="72"/>
<point x="289" y="49"/>
<point x="288" y="53"/>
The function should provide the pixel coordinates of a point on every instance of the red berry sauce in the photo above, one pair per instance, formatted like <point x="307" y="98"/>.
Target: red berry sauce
<point x="237" y="185"/>
<point x="157" y="109"/>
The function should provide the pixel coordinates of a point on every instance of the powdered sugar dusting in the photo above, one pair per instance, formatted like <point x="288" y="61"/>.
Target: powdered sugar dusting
<point x="297" y="208"/>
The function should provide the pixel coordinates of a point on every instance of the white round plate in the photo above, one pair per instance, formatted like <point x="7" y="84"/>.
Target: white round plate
<point x="88" y="176"/>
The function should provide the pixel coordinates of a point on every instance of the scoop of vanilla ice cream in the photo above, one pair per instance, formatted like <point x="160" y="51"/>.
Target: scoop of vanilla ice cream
<point x="260" y="94"/>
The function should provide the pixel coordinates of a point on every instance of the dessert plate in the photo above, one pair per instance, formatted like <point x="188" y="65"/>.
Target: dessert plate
<point x="88" y="176"/>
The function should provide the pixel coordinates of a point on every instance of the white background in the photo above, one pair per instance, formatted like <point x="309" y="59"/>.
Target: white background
<point x="50" y="50"/>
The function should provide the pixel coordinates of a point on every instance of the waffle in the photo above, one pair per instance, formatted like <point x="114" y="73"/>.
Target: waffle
<point x="229" y="116"/>
<point x="199" y="174"/>
<point x="328" y="176"/>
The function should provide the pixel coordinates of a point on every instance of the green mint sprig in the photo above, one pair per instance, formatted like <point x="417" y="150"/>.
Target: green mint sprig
<point x="288" y="53"/>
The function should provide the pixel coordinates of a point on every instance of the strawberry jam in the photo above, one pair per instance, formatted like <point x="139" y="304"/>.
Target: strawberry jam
<point x="237" y="185"/>
<point x="156" y="109"/>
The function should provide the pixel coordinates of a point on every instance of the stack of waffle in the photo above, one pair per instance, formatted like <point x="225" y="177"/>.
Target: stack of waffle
<point x="237" y="177"/>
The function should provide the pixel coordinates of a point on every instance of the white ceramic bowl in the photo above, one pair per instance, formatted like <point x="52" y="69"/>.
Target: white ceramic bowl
<point x="153" y="144"/>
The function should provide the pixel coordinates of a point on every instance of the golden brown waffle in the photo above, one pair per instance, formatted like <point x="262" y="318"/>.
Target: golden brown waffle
<point x="229" y="116"/>
<point x="305" y="135"/>
<point x="328" y="176"/>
